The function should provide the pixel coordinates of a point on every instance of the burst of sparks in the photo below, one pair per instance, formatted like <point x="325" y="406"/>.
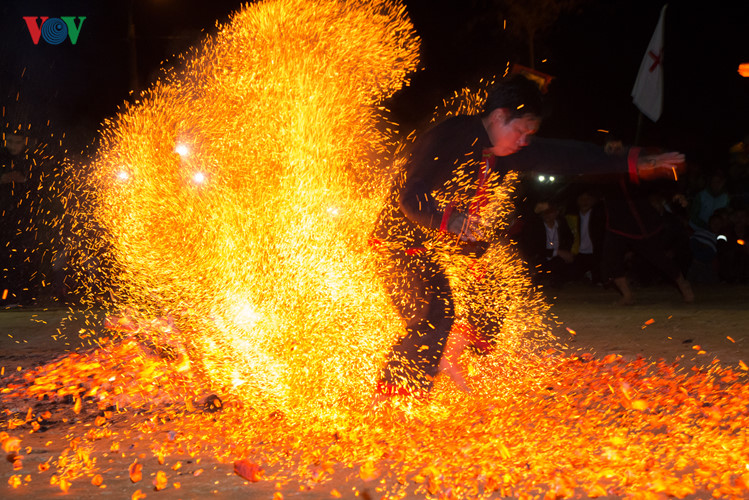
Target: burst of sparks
<point x="279" y="120"/>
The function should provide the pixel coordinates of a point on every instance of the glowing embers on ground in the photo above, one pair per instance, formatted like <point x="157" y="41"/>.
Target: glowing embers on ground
<point x="571" y="426"/>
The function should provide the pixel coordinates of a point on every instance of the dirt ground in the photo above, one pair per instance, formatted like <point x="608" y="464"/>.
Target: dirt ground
<point x="658" y="326"/>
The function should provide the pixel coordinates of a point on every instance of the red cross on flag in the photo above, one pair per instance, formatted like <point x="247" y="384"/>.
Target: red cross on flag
<point x="647" y="93"/>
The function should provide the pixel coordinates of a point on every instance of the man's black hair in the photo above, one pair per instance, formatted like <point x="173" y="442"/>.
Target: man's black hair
<point x="518" y="94"/>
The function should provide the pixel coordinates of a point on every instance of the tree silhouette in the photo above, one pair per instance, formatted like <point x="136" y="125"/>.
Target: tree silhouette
<point x="526" y="20"/>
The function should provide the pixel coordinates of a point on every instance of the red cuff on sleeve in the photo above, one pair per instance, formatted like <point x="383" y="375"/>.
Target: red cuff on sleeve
<point x="632" y="157"/>
<point x="446" y="218"/>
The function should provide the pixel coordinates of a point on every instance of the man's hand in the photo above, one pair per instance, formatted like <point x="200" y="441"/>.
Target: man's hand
<point x="666" y="165"/>
<point x="466" y="227"/>
<point x="541" y="207"/>
<point x="681" y="200"/>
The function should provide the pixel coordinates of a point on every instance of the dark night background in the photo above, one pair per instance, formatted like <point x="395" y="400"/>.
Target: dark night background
<point x="593" y="54"/>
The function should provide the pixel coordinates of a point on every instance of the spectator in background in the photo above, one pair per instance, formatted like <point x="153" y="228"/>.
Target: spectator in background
<point x="546" y="244"/>
<point x="588" y="224"/>
<point x="738" y="171"/>
<point x="671" y="207"/>
<point x="704" y="204"/>
<point x="704" y="247"/>
<point x="633" y="225"/>
<point x="15" y="165"/>
<point x="16" y="235"/>
<point x="730" y="231"/>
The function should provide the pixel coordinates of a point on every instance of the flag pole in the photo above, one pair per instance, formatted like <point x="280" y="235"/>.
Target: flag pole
<point x="638" y="130"/>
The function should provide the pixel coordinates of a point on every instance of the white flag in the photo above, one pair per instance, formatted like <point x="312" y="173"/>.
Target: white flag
<point x="647" y="93"/>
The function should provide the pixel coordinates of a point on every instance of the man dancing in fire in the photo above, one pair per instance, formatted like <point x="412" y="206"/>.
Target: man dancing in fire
<point x="441" y="194"/>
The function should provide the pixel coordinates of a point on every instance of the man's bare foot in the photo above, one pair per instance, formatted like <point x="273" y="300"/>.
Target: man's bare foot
<point x="627" y="298"/>
<point x="686" y="289"/>
<point x="455" y="372"/>
<point x="450" y="363"/>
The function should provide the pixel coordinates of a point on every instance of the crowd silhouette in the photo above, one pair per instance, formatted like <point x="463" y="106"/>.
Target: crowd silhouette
<point x="611" y="233"/>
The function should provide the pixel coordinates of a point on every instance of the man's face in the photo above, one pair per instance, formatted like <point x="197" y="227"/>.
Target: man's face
<point x="585" y="202"/>
<point x="15" y="144"/>
<point x="509" y="136"/>
<point x="550" y="215"/>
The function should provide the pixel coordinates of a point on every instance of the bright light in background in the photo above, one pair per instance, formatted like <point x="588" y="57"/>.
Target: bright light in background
<point x="123" y="175"/>
<point x="198" y="178"/>
<point x="333" y="211"/>
<point x="182" y="149"/>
